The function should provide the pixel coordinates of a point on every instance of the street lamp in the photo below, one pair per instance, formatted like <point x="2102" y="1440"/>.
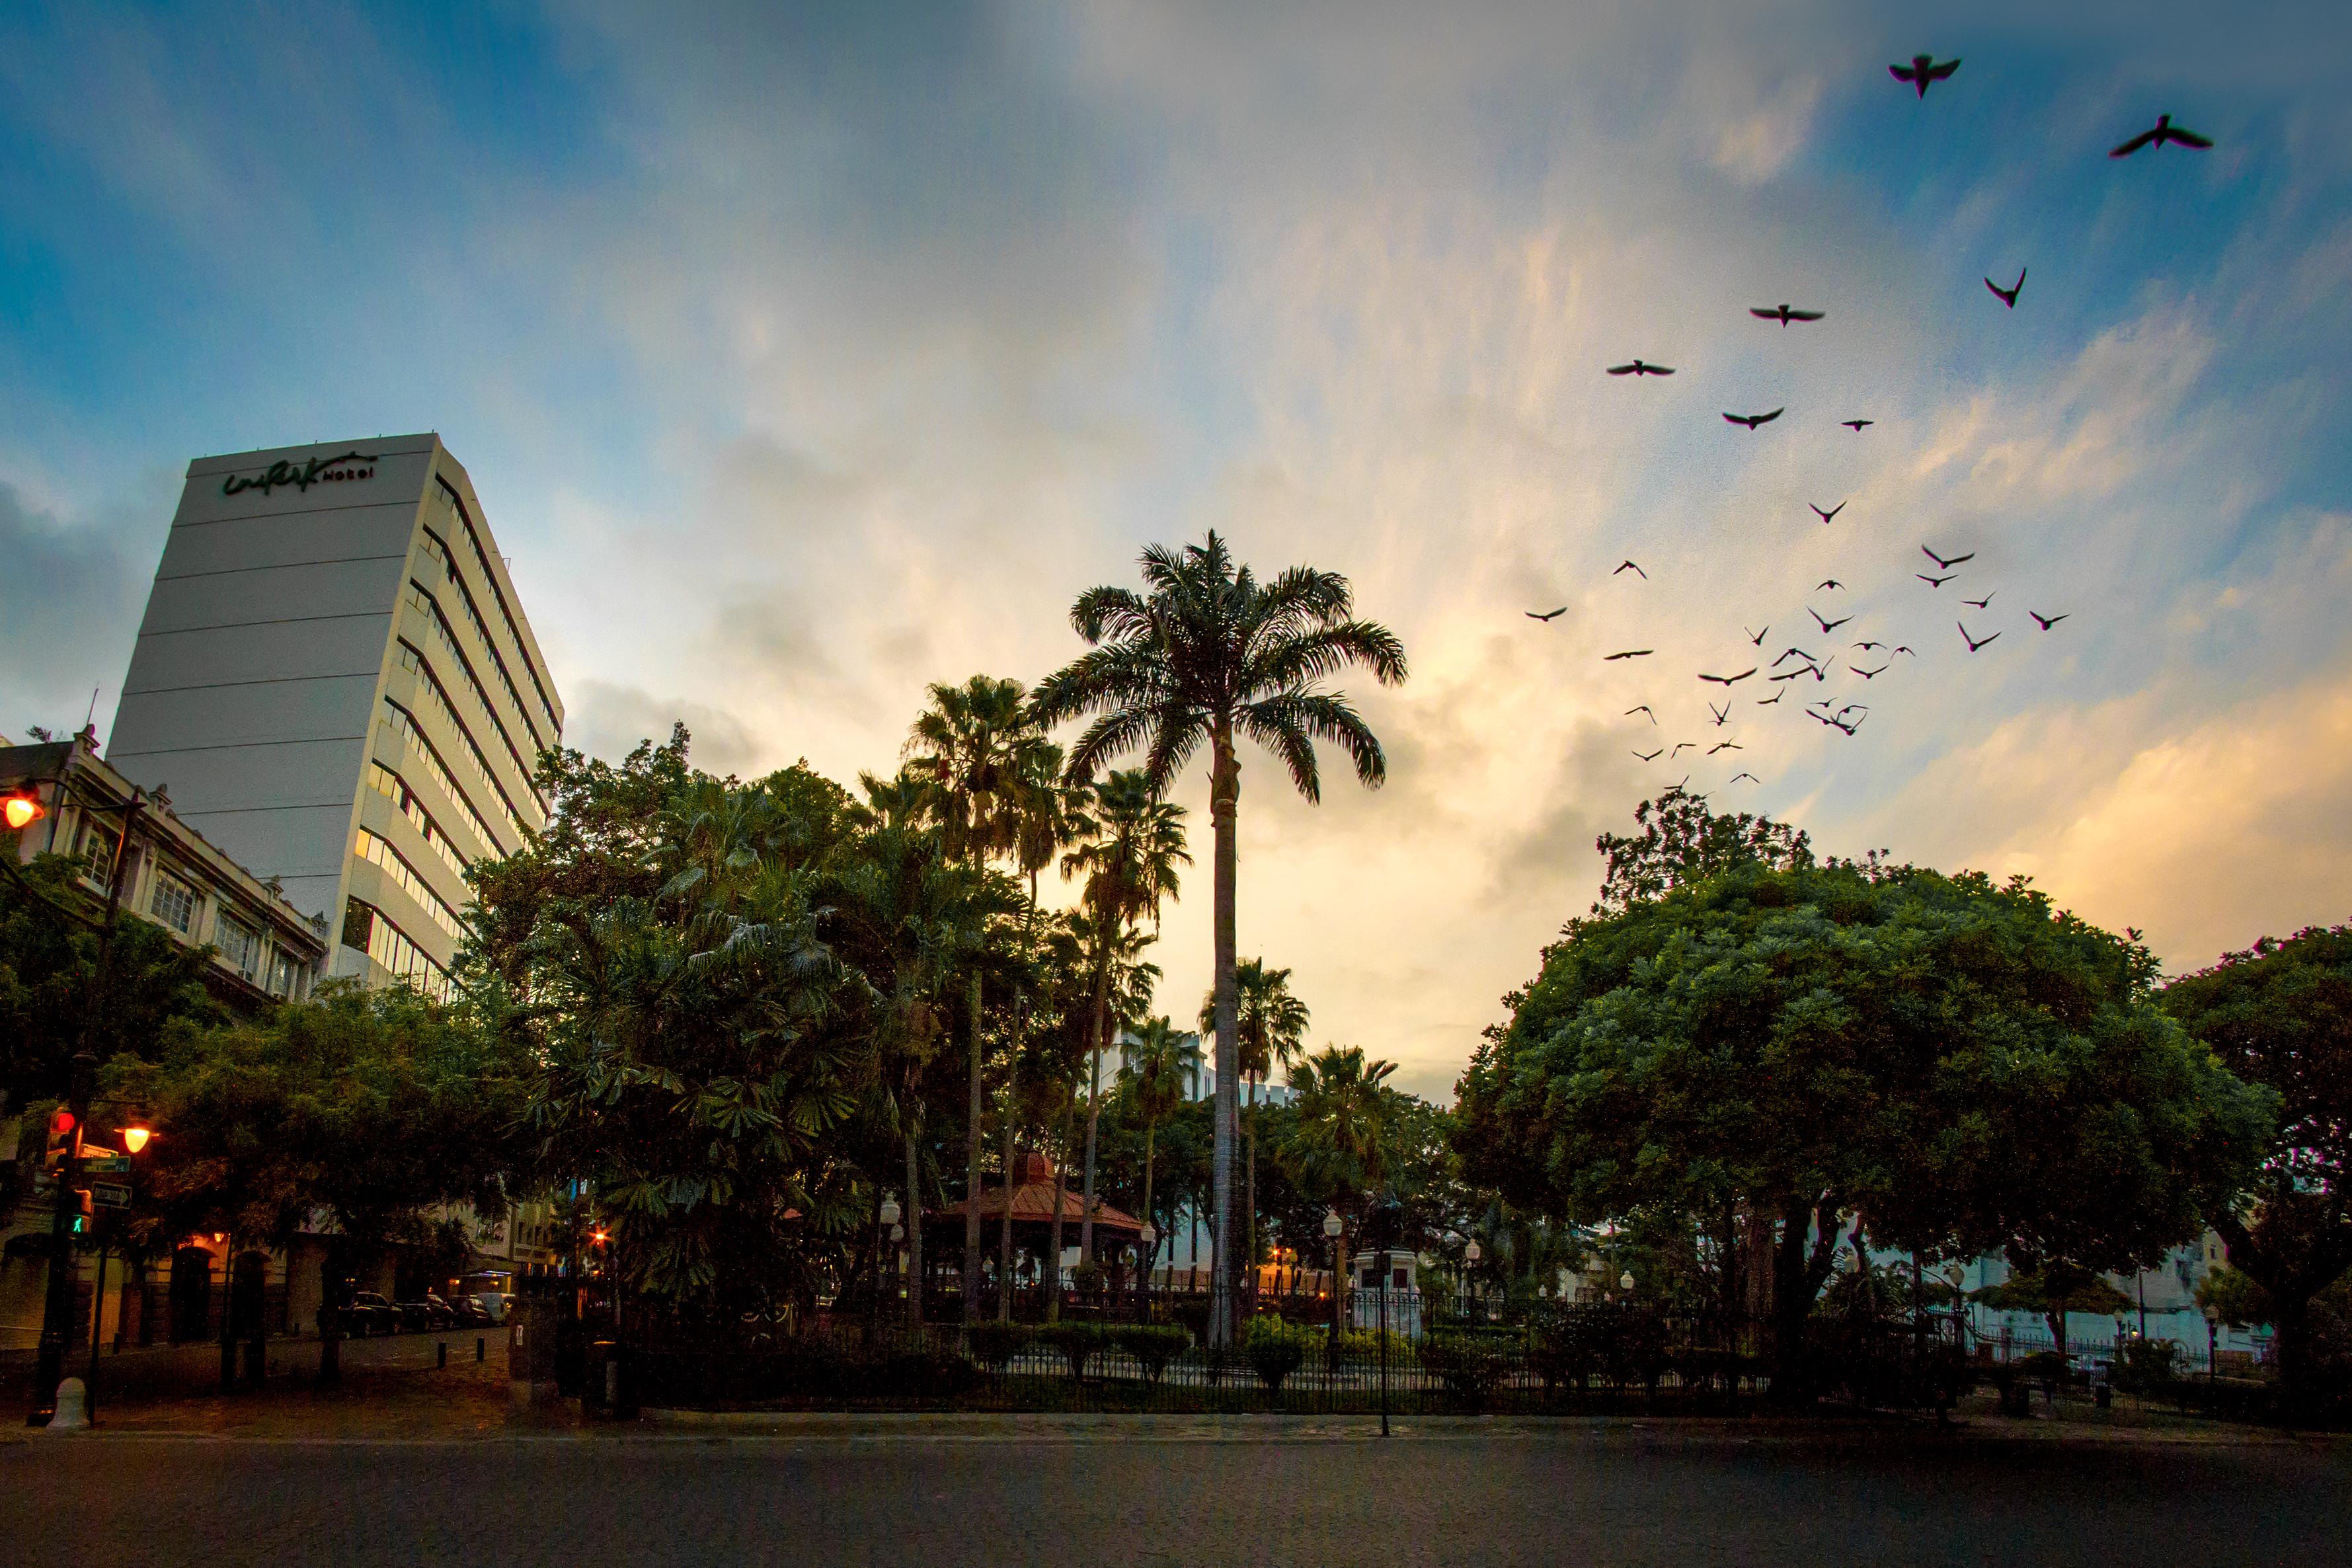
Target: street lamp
<point x="1625" y="1281"/>
<point x="1333" y="1225"/>
<point x="1470" y="1269"/>
<point x="21" y="808"/>
<point x="1149" y="1240"/>
<point x="135" y="1139"/>
<point x="2212" y="1344"/>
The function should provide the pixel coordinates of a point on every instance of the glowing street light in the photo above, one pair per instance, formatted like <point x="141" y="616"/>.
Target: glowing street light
<point x="21" y="808"/>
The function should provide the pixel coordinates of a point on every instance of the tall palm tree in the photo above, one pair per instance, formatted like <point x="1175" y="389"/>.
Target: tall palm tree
<point x="1273" y="1026"/>
<point x="1205" y="656"/>
<point x="1338" y="1149"/>
<point x="967" y="746"/>
<point x="1159" y="1072"/>
<point x="1130" y="867"/>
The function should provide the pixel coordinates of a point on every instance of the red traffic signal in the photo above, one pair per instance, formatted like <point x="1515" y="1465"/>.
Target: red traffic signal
<point x="21" y="808"/>
<point x="61" y="1137"/>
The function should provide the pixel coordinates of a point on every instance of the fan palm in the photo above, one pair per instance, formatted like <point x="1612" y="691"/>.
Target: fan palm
<point x="1273" y="1026"/>
<point x="1204" y="657"/>
<point x="1130" y="867"/>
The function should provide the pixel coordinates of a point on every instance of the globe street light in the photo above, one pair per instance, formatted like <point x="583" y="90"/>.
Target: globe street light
<point x="1470" y="1269"/>
<point x="1333" y="1225"/>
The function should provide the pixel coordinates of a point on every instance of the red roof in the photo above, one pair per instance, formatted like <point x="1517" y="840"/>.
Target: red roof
<point x="1033" y="1202"/>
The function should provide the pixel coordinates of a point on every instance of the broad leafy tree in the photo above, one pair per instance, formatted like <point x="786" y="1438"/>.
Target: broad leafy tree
<point x="1205" y="656"/>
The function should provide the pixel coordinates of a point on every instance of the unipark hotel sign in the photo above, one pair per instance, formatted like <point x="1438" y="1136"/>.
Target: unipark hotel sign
<point x="303" y="476"/>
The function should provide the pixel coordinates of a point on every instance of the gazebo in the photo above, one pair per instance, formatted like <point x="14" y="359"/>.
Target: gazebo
<point x="1031" y="1201"/>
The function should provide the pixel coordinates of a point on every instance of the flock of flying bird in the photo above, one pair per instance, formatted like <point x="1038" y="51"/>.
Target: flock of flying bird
<point x="1860" y="657"/>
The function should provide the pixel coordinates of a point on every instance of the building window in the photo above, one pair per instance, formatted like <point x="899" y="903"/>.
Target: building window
<point x="173" y="903"/>
<point x="239" y="945"/>
<point x="366" y="928"/>
<point x="98" y="849"/>
<point x="395" y="788"/>
<point x="404" y="723"/>
<point x="377" y="853"/>
<point x="285" y="975"/>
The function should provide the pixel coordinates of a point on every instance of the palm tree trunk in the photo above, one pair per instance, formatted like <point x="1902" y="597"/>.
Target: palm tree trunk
<point x="1151" y="1253"/>
<point x="1096" y="1029"/>
<point x="1004" y="1224"/>
<point x="971" y="1174"/>
<point x="1249" y="1188"/>
<point x="1224" y="793"/>
<point x="914" y="1228"/>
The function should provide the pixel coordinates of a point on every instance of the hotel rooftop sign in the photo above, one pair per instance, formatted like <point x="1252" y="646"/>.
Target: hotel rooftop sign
<point x="353" y="465"/>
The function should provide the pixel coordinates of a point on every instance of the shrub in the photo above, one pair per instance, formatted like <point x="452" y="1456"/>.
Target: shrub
<point x="994" y="1346"/>
<point x="1467" y="1367"/>
<point x="2149" y="1366"/>
<point x="1275" y="1350"/>
<point x="1154" y="1345"/>
<point x="1079" y="1342"/>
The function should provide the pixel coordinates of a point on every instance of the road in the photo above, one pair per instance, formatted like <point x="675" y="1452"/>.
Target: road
<point x="1006" y="1494"/>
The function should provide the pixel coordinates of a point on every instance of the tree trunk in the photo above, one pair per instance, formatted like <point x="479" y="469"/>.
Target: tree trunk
<point x="1004" y="1224"/>
<point x="1800" y="1262"/>
<point x="1224" y="795"/>
<point x="1096" y="1030"/>
<point x="1054" y="1256"/>
<point x="972" y="1175"/>
<point x="1151" y="1253"/>
<point x="914" y="1228"/>
<point x="1249" y="1188"/>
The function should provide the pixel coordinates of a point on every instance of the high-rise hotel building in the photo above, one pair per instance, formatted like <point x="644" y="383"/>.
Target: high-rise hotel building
<point x="337" y="683"/>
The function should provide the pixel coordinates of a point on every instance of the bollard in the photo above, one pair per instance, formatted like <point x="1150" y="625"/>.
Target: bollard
<point x="482" y="1348"/>
<point x="441" y="1357"/>
<point x="73" y="1407"/>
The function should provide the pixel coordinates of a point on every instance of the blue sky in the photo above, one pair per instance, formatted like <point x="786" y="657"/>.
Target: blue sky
<point x="806" y="355"/>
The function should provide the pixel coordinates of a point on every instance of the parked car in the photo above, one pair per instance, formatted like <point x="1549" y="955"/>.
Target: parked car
<point x="369" y="1313"/>
<point x="468" y="1312"/>
<point x="494" y="1302"/>
<point x="425" y="1314"/>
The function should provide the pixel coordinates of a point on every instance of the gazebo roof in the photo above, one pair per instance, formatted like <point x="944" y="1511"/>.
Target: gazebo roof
<point x="1032" y="1203"/>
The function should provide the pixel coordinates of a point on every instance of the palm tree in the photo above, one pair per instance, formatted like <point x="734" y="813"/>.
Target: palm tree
<point x="1130" y="867"/>
<point x="1159" y="1073"/>
<point x="1206" y="656"/>
<point x="967" y="746"/>
<point x="1273" y="1025"/>
<point x="1339" y="1149"/>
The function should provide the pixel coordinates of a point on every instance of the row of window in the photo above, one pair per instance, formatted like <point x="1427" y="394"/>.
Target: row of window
<point x="366" y="929"/>
<point x="438" y="548"/>
<point x="401" y="722"/>
<point x="547" y="704"/>
<point x="439" y="698"/>
<point x="376" y="852"/>
<point x="174" y="901"/>
<point x="395" y="788"/>
<point x="426" y="605"/>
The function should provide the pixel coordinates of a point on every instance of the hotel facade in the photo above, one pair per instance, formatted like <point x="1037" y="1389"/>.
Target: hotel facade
<point x="337" y="683"/>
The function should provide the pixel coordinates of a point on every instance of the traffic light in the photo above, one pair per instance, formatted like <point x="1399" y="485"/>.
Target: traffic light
<point x="21" y="808"/>
<point x="61" y="1138"/>
<point x="85" y="1212"/>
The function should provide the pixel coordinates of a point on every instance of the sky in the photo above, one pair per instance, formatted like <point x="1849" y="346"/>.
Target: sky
<point x="804" y="355"/>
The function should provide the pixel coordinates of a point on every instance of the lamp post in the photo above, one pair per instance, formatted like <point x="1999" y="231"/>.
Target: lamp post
<point x="1333" y="1227"/>
<point x="1954" y="1276"/>
<point x="1383" y="1223"/>
<point x="1150" y="1240"/>
<point x="886" y="1224"/>
<point x="1470" y="1273"/>
<point x="135" y="1139"/>
<point x="2212" y="1345"/>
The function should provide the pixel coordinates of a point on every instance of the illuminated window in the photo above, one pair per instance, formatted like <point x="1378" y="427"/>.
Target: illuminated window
<point x="395" y="788"/>
<point x="378" y="853"/>
<point x="366" y="928"/>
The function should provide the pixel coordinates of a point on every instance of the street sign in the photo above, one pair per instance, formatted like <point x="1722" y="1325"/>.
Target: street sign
<point x="104" y="1162"/>
<point x="111" y="1195"/>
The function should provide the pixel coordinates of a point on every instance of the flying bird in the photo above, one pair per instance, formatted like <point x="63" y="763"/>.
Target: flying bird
<point x="1906" y="651"/>
<point x="1865" y="645"/>
<point x="1942" y="565"/>
<point x="1725" y="746"/>
<point x="1828" y="582"/>
<point x="1868" y="674"/>
<point x="1794" y="673"/>
<point x="1752" y="778"/>
<point x="1980" y="604"/>
<point x="1629" y="566"/>
<point x="1792" y="653"/>
<point x="1767" y="701"/>
<point x="2046" y="622"/>
<point x="1651" y="756"/>
<point x="1827" y="627"/>
<point x="1721" y="713"/>
<point x="1685" y="747"/>
<point x="1547" y="615"/>
<point x="1974" y="643"/>
<point x="2009" y="296"/>
<point x="1923" y="71"/>
<point x="1753" y="420"/>
<point x="1629" y="653"/>
<point x="1641" y="367"/>
<point x="1755" y="639"/>
<point x="1825" y="516"/>
<point x="1932" y="582"/>
<point x="1783" y="314"/>
<point x="1731" y="680"/>
<point x="2164" y="131"/>
<point x="1856" y="426"/>
<point x="1642" y="708"/>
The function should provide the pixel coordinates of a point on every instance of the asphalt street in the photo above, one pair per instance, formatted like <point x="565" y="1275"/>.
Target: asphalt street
<point x="1436" y="1497"/>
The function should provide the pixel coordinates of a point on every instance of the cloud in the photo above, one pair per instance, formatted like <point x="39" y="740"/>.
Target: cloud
<point x="609" y="721"/>
<point x="68" y="610"/>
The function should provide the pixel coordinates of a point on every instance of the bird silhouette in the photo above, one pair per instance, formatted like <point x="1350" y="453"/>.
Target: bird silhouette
<point x="1974" y="643"/>
<point x="1792" y="653"/>
<point x="1825" y="516"/>
<point x="1641" y="708"/>
<point x="1801" y="669"/>
<point x="1933" y="582"/>
<point x="1752" y="778"/>
<point x="1829" y="583"/>
<point x="1783" y="314"/>
<point x="1546" y="615"/>
<point x="1681" y="748"/>
<point x="1827" y="627"/>
<point x="1651" y="756"/>
<point x="1984" y="603"/>
<point x="1731" y="680"/>
<point x="1721" y="713"/>
<point x="1856" y="426"/>
<point x="2009" y="296"/>
<point x="2046" y="622"/>
<point x="1942" y="565"/>
<point x="1753" y="420"/>
<point x="1725" y="746"/>
<point x="1755" y="639"/>
<point x="1629" y="653"/>
<point x="2164" y="131"/>
<point x="1628" y="565"/>
<point x="1866" y="645"/>
<point x="1922" y="71"/>
<point x="1868" y="674"/>
<point x="1767" y="701"/>
<point x="1900" y="649"/>
<point x="1641" y="367"/>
